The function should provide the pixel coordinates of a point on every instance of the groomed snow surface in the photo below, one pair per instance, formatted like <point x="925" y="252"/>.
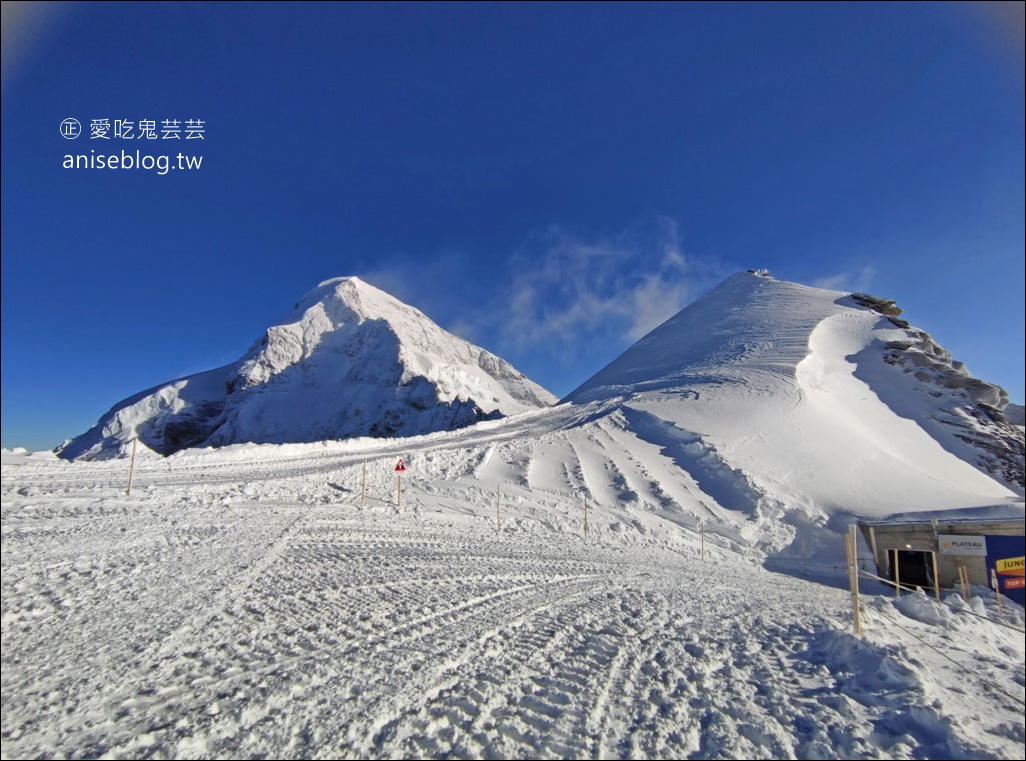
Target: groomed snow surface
<point x="273" y="601"/>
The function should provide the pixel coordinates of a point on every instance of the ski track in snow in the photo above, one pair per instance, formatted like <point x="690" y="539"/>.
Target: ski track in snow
<point x="243" y="604"/>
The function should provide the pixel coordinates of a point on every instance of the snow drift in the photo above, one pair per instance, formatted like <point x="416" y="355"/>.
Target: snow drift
<point x="349" y="361"/>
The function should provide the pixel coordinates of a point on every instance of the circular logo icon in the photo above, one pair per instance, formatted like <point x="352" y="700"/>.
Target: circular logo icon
<point x="71" y="128"/>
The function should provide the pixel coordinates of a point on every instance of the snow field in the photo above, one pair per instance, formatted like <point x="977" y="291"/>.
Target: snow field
<point x="243" y="603"/>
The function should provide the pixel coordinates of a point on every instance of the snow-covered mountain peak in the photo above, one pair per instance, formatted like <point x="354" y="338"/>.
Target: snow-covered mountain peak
<point x="349" y="360"/>
<point x="331" y="282"/>
<point x="350" y="299"/>
<point x="347" y="316"/>
<point x="823" y="396"/>
<point x="360" y="296"/>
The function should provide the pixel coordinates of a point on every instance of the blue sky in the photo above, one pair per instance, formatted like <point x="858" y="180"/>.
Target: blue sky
<point x="547" y="180"/>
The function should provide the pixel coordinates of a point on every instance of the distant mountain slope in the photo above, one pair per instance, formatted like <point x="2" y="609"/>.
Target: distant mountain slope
<point x="349" y="361"/>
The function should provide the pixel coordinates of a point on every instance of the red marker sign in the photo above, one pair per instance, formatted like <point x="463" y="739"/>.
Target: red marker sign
<point x="400" y="466"/>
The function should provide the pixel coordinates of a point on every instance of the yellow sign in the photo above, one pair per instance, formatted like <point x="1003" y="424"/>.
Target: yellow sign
<point x="1012" y="566"/>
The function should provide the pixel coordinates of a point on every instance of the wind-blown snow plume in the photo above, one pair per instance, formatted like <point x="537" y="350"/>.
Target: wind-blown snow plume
<point x="570" y="289"/>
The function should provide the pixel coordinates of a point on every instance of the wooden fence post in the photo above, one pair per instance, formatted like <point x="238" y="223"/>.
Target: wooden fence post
<point x="963" y="578"/>
<point x="997" y="590"/>
<point x="851" y="548"/>
<point x="131" y="469"/>
<point x="936" y="579"/>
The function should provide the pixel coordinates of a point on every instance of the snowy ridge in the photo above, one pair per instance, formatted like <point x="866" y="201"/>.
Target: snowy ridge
<point x="349" y="361"/>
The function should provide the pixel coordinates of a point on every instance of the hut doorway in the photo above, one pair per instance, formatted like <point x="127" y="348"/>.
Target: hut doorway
<point x="915" y="568"/>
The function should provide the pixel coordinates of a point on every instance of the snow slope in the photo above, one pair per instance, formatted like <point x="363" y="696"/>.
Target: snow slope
<point x="276" y="602"/>
<point x="349" y="361"/>
<point x="816" y="400"/>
